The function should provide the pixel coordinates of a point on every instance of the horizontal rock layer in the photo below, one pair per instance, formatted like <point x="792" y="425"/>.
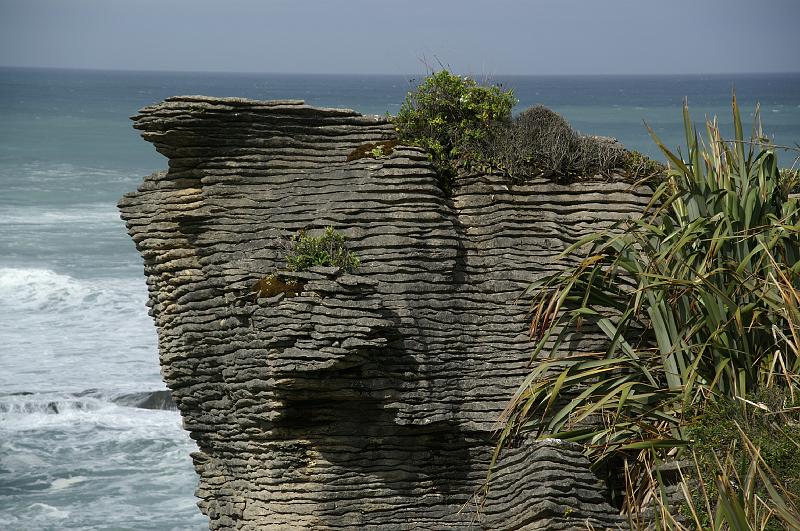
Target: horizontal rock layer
<point x="369" y="400"/>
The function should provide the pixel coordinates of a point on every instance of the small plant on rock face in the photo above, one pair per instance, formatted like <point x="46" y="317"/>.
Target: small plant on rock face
<point x="329" y="249"/>
<point x="303" y="252"/>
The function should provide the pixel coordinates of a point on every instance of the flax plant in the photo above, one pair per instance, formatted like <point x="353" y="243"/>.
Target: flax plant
<point x="695" y="300"/>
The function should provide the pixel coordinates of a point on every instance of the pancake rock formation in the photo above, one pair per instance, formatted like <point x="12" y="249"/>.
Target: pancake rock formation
<point x="367" y="400"/>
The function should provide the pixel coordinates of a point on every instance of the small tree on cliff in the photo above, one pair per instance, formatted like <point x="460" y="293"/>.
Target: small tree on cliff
<point x="447" y="114"/>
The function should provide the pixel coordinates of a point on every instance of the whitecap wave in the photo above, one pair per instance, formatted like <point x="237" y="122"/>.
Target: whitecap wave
<point x="47" y="290"/>
<point x="40" y="288"/>
<point x="68" y="333"/>
<point x="65" y="483"/>
<point x="48" y="512"/>
<point x="21" y="405"/>
<point x="35" y="215"/>
<point x="57" y="411"/>
<point x="46" y="172"/>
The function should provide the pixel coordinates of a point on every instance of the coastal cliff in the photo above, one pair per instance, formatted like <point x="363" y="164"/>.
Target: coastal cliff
<point x="368" y="400"/>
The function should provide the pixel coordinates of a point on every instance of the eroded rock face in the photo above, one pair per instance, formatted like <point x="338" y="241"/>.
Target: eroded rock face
<point x="369" y="400"/>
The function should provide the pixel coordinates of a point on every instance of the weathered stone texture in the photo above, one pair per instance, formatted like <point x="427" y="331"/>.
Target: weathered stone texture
<point x="369" y="400"/>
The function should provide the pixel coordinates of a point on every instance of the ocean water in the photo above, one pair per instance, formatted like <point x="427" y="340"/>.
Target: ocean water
<point x="74" y="331"/>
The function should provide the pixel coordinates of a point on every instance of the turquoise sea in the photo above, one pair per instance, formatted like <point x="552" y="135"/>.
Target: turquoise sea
<point x="74" y="332"/>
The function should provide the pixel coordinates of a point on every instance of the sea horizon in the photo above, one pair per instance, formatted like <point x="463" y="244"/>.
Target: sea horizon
<point x="395" y="74"/>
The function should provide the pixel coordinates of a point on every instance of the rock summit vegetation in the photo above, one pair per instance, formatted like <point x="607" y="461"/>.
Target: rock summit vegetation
<point x="468" y="127"/>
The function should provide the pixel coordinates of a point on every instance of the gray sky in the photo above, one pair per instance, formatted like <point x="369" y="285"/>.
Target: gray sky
<point x="374" y="36"/>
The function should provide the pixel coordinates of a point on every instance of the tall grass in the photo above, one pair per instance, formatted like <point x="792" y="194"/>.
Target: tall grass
<point x="697" y="301"/>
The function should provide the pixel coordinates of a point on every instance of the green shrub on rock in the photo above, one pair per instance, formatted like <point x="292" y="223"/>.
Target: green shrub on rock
<point x="447" y="114"/>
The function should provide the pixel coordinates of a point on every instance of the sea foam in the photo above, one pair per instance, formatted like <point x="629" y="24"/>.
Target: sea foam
<point x="39" y="288"/>
<point x="29" y="215"/>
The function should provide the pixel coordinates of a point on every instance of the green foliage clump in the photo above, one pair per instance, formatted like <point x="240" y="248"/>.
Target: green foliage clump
<point x="447" y="114"/>
<point x="329" y="249"/>
<point x="769" y="420"/>
<point x="699" y="301"/>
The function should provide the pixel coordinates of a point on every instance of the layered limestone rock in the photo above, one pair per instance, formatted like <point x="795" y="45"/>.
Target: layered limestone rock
<point x="369" y="400"/>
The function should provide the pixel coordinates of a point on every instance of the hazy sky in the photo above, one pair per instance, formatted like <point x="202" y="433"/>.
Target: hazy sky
<point x="375" y="36"/>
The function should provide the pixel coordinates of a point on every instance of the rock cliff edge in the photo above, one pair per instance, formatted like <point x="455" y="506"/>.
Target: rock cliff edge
<point x="369" y="400"/>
